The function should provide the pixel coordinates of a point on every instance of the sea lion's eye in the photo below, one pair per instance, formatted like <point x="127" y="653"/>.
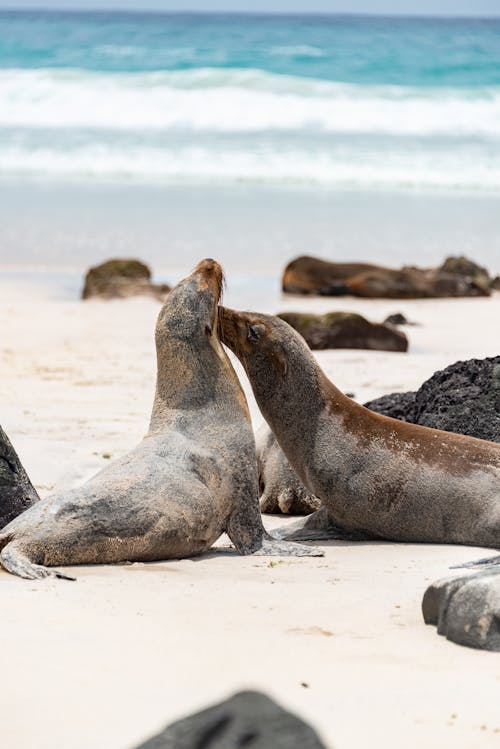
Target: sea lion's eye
<point x="253" y="334"/>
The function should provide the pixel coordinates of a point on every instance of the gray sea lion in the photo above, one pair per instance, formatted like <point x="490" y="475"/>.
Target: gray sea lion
<point x="16" y="490"/>
<point x="376" y="477"/>
<point x="280" y="488"/>
<point x="192" y="477"/>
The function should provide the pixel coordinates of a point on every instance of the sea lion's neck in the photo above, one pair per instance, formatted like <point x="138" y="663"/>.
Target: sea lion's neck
<point x="295" y="406"/>
<point x="204" y="381"/>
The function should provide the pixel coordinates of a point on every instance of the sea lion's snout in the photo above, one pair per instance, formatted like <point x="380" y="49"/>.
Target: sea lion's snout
<point x="231" y="324"/>
<point x="211" y="276"/>
<point x="190" y="310"/>
<point x="241" y="331"/>
<point x="258" y="340"/>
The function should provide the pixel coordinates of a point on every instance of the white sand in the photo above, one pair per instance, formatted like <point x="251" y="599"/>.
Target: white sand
<point x="108" y="660"/>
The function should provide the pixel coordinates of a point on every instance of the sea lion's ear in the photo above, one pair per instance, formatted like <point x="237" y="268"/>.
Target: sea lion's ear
<point x="255" y="332"/>
<point x="282" y="362"/>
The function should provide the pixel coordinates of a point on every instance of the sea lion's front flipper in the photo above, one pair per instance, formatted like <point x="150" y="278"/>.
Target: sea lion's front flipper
<point x="485" y="562"/>
<point x="276" y="547"/>
<point x="318" y="526"/>
<point x="247" y="533"/>
<point x="16" y="562"/>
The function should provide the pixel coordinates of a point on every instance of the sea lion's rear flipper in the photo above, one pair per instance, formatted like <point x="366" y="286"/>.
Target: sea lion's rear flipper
<point x="15" y="561"/>
<point x="485" y="562"/>
<point x="318" y="526"/>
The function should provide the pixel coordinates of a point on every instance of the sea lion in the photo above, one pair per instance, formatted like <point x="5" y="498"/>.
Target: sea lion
<point x="193" y="476"/>
<point x="376" y="477"/>
<point x="409" y="282"/>
<point x="281" y="490"/>
<point x="311" y="275"/>
<point x="463" y="398"/>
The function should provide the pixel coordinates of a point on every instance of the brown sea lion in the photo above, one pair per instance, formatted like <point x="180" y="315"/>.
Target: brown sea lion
<point x="412" y="283"/>
<point x="311" y="275"/>
<point x="376" y="477"/>
<point x="193" y="476"/>
<point x="281" y="490"/>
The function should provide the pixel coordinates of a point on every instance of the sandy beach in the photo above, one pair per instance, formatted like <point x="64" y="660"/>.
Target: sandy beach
<point x="252" y="138"/>
<point x="108" y="660"/>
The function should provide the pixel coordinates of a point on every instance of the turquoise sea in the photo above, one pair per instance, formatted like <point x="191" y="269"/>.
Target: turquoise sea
<point x="333" y="101"/>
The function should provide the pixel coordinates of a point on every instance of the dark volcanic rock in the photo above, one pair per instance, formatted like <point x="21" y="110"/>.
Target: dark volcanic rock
<point x="396" y="405"/>
<point x="117" y="279"/>
<point x="463" y="398"/>
<point x="16" y="491"/>
<point x="249" y="719"/>
<point x="466" y="609"/>
<point x="495" y="283"/>
<point x="345" y="330"/>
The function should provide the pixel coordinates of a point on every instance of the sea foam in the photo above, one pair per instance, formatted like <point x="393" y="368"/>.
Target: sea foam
<point x="246" y="124"/>
<point x="240" y="100"/>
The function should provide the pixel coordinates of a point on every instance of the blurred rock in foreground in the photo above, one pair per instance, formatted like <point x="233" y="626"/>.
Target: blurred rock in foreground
<point x="249" y="719"/>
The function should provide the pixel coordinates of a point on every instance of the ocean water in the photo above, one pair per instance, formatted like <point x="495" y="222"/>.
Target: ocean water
<point x="337" y="102"/>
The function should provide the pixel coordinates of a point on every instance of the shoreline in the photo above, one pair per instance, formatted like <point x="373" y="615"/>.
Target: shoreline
<point x="251" y="230"/>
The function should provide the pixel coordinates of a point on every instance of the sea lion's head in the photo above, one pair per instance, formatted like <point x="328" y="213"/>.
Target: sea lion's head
<point x="269" y="348"/>
<point x="189" y="315"/>
<point x="193" y="367"/>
